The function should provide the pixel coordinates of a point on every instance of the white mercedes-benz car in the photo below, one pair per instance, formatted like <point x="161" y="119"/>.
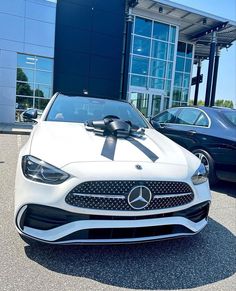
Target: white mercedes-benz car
<point x="94" y="171"/>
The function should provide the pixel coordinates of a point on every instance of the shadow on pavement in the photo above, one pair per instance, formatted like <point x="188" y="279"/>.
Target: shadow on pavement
<point x="183" y="263"/>
<point x="225" y="188"/>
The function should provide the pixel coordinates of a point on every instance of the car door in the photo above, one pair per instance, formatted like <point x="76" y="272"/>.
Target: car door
<point x="187" y="133"/>
<point x="165" y="122"/>
<point x="187" y="127"/>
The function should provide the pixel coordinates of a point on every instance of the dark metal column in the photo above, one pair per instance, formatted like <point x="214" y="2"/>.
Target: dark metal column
<point x="199" y="64"/>
<point x="215" y="75"/>
<point x="210" y="69"/>
<point x="129" y="27"/>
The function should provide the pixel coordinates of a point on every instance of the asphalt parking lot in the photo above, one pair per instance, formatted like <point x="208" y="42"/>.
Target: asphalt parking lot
<point x="206" y="261"/>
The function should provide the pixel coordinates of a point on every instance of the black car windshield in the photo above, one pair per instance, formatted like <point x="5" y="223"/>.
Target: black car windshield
<point x="230" y="116"/>
<point x="81" y="109"/>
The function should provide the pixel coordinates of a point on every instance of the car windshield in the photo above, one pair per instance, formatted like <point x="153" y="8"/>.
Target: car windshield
<point x="230" y="116"/>
<point x="82" y="109"/>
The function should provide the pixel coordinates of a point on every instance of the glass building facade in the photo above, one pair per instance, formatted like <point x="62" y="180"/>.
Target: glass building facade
<point x="33" y="82"/>
<point x="183" y="70"/>
<point x="160" y="67"/>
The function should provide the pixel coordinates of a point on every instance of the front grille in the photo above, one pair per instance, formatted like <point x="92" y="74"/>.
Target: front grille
<point x="112" y="195"/>
<point x="115" y="187"/>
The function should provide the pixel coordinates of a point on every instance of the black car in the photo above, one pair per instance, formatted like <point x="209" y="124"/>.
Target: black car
<point x="208" y="132"/>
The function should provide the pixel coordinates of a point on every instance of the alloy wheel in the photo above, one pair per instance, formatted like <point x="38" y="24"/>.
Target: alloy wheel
<point x="204" y="160"/>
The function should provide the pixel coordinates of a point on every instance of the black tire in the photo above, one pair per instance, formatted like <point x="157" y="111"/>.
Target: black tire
<point x="208" y="162"/>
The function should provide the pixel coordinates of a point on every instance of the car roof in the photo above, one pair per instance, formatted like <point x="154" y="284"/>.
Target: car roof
<point x="213" y="109"/>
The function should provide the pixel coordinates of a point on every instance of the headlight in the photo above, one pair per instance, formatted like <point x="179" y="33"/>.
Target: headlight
<point x="39" y="171"/>
<point x="200" y="176"/>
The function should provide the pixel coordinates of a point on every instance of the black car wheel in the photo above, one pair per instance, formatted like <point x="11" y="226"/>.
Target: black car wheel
<point x="208" y="162"/>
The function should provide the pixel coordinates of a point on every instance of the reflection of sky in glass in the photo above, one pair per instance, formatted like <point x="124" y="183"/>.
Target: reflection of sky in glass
<point x="141" y="46"/>
<point x="140" y="65"/>
<point x="143" y="27"/>
<point x="43" y="77"/>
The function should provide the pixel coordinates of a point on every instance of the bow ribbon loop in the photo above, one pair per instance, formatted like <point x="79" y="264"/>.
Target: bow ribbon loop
<point x="113" y="128"/>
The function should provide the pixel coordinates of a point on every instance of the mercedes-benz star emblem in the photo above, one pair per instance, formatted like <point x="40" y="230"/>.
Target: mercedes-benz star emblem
<point x="139" y="197"/>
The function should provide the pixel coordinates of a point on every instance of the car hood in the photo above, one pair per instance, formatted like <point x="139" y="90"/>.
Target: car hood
<point x="60" y="144"/>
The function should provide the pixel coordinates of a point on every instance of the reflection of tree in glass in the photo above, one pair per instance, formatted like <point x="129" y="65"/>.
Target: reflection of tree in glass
<point x="23" y="88"/>
<point x="39" y="93"/>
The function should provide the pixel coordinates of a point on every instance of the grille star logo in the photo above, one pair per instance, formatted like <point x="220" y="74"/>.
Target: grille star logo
<point x="139" y="197"/>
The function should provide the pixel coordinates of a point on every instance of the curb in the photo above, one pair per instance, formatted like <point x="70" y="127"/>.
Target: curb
<point x="11" y="128"/>
<point x="17" y="132"/>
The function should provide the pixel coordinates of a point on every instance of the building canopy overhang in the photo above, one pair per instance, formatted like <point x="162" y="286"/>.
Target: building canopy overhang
<point x="194" y="25"/>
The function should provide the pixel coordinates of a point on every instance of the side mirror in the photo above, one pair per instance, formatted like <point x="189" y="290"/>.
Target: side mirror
<point x="155" y="124"/>
<point x="30" y="114"/>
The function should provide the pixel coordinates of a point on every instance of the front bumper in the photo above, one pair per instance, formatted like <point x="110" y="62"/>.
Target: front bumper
<point x="56" y="226"/>
<point x="42" y="213"/>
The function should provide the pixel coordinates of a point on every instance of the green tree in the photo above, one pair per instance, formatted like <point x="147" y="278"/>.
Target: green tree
<point x="199" y="103"/>
<point x="224" y="103"/>
<point x="39" y="93"/>
<point x="23" y="88"/>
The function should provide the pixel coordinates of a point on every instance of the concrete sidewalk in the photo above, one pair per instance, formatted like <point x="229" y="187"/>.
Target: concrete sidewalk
<point x="16" y="128"/>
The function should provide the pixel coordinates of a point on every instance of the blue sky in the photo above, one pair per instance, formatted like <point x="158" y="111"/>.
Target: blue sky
<point x="226" y="85"/>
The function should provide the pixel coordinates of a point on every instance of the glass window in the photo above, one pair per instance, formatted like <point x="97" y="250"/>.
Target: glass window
<point x="43" y="77"/>
<point x="25" y="89"/>
<point x="139" y="81"/>
<point x="140" y="101"/>
<point x="178" y="79"/>
<point x="158" y="68"/>
<point x="171" y="52"/>
<point x="166" y="102"/>
<point x="185" y="95"/>
<point x="24" y="102"/>
<point x="41" y="103"/>
<point x="42" y="91"/>
<point x="202" y="120"/>
<point x="169" y="70"/>
<point x="175" y="103"/>
<point x="81" y="109"/>
<point x="141" y="46"/>
<point x="34" y="79"/>
<point x="188" y="116"/>
<point x="26" y="61"/>
<point x="188" y="65"/>
<point x="159" y="49"/>
<point x="172" y="34"/>
<point x="140" y="65"/>
<point x="167" y="116"/>
<point x="25" y="75"/>
<point x="183" y="70"/>
<point x="181" y="49"/>
<point x="156" y="104"/>
<point x="44" y="64"/>
<point x="177" y="94"/>
<point x="157" y="83"/>
<point x="161" y="31"/>
<point x="230" y="116"/>
<point x="167" y="87"/>
<point x="179" y="64"/>
<point x="186" y="80"/>
<point x="143" y="26"/>
<point x="189" y="50"/>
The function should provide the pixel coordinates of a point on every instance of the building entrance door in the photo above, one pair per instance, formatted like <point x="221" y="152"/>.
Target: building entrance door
<point x="148" y="103"/>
